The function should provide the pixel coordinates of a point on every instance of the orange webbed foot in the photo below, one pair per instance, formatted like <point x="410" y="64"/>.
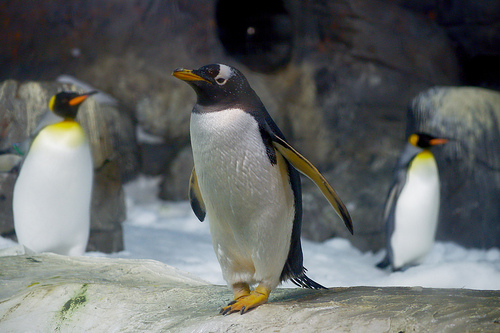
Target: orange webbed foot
<point x="246" y="301"/>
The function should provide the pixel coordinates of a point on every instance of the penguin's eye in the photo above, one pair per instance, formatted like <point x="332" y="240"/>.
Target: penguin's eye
<point x="221" y="81"/>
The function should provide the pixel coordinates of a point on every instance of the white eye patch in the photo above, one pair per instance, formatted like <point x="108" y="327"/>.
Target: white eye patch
<point x="225" y="72"/>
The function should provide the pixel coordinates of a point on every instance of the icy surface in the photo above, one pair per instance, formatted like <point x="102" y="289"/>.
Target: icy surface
<point x="169" y="232"/>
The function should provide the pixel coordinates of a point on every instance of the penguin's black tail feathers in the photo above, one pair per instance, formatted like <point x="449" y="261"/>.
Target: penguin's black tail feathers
<point x="302" y="280"/>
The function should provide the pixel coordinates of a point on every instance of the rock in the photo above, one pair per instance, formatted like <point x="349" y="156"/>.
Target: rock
<point x="174" y="186"/>
<point x="68" y="294"/>
<point x="111" y="136"/>
<point x="7" y="181"/>
<point x="107" y="211"/>
<point x="473" y="28"/>
<point x="473" y="24"/>
<point x="258" y="34"/>
<point x="166" y="115"/>
<point x="469" y="165"/>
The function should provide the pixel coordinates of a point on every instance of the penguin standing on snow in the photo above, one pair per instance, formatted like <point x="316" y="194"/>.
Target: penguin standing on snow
<point x="51" y="199"/>
<point x="412" y="206"/>
<point x="245" y="181"/>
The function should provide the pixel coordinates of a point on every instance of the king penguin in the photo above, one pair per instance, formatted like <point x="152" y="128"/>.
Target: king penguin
<point x="412" y="205"/>
<point x="52" y="194"/>
<point x="245" y="181"/>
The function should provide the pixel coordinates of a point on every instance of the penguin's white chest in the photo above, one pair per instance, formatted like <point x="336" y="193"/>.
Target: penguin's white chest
<point x="416" y="213"/>
<point x="52" y="194"/>
<point x="249" y="201"/>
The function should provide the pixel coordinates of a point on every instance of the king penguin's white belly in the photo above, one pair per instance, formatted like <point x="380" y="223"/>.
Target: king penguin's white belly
<point x="249" y="202"/>
<point x="416" y="213"/>
<point x="52" y="194"/>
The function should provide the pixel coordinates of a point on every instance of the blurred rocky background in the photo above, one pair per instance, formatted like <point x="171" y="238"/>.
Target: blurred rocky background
<point x="337" y="76"/>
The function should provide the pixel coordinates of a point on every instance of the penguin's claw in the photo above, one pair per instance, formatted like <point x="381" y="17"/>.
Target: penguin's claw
<point x="245" y="303"/>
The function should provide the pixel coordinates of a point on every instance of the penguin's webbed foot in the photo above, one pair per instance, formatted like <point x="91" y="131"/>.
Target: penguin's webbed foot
<point x="244" y="300"/>
<point x="384" y="263"/>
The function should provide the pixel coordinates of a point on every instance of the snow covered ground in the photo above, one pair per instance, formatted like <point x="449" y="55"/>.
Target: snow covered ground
<point x="169" y="232"/>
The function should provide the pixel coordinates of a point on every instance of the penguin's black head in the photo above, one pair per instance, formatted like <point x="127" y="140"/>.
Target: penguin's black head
<point x="65" y="104"/>
<point x="424" y="140"/>
<point x="219" y="86"/>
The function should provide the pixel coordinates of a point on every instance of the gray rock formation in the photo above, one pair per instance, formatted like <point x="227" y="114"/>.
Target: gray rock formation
<point x="111" y="136"/>
<point x="469" y="165"/>
<point x="7" y="181"/>
<point x="51" y="293"/>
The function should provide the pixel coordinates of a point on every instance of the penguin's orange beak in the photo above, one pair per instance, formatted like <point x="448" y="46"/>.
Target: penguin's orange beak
<point x="187" y="75"/>
<point x="438" y="141"/>
<point x="79" y="99"/>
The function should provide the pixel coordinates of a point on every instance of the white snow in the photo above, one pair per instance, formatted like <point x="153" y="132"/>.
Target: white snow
<point x="169" y="232"/>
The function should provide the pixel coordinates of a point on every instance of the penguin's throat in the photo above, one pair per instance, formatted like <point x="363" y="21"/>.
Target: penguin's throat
<point x="424" y="165"/>
<point x="66" y="133"/>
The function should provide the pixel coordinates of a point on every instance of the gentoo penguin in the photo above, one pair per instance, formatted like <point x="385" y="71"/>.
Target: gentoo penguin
<point x="245" y="181"/>
<point x="412" y="205"/>
<point x="51" y="200"/>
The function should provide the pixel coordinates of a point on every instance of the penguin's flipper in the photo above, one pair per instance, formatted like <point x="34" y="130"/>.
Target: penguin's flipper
<point x="389" y="212"/>
<point x="305" y="167"/>
<point x="397" y="185"/>
<point x="195" y="198"/>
